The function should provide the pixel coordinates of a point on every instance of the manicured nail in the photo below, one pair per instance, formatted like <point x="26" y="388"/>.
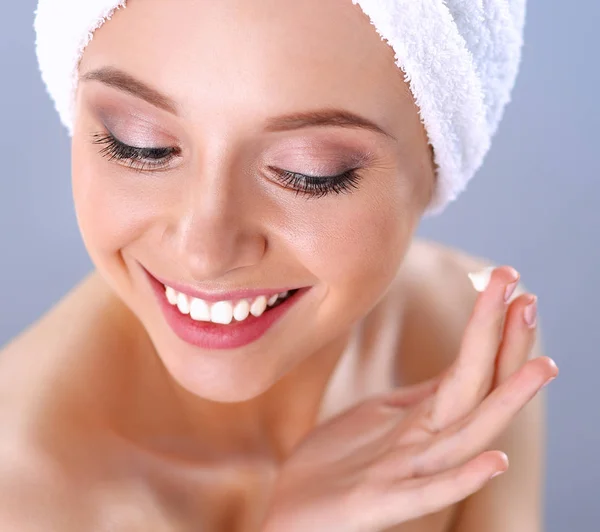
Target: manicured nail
<point x="553" y="365"/>
<point x="505" y="460"/>
<point x="481" y="279"/>
<point x="510" y="288"/>
<point x="530" y="313"/>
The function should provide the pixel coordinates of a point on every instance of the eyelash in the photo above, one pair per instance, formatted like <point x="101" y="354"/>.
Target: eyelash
<point x="158" y="158"/>
<point x="319" y="186"/>
<point x="137" y="158"/>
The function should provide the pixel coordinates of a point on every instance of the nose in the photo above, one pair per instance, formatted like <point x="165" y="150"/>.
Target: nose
<point x="218" y="231"/>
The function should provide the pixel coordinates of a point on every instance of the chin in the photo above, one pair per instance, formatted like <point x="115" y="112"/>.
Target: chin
<point x="227" y="377"/>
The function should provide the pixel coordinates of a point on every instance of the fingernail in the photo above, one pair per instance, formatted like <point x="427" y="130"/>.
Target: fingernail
<point x="553" y="364"/>
<point x="548" y="381"/>
<point x="505" y="460"/>
<point x="530" y="313"/>
<point x="481" y="279"/>
<point x="510" y="290"/>
<point x="511" y="287"/>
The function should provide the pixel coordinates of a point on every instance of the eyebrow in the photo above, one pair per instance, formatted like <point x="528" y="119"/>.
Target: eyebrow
<point x="125" y="82"/>
<point x="117" y="79"/>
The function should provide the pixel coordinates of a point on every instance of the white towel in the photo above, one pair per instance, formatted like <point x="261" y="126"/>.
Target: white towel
<point x="460" y="58"/>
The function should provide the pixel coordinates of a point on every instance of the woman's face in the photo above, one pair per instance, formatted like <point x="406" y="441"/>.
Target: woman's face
<point x="217" y="201"/>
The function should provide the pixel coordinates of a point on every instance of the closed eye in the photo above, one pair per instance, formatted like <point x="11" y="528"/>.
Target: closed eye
<point x="139" y="158"/>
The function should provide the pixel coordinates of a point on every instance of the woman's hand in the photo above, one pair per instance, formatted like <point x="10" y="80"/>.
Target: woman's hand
<point x="414" y="451"/>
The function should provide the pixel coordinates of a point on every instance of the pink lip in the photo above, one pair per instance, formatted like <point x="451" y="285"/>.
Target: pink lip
<point x="213" y="297"/>
<point x="208" y="335"/>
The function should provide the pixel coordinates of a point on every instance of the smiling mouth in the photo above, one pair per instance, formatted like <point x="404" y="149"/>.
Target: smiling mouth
<point x="224" y="321"/>
<point x="228" y="311"/>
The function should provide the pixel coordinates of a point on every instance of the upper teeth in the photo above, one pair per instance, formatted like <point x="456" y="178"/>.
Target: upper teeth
<point x="222" y="312"/>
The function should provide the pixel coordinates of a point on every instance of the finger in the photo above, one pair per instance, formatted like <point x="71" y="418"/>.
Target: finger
<point x="411" y="395"/>
<point x="471" y="376"/>
<point x="518" y="338"/>
<point x="422" y="496"/>
<point x="477" y="431"/>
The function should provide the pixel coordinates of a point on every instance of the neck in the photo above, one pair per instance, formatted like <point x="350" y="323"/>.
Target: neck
<point x="268" y="426"/>
<point x="273" y="423"/>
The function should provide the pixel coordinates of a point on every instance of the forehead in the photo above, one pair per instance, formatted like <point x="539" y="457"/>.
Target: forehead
<point x="272" y="56"/>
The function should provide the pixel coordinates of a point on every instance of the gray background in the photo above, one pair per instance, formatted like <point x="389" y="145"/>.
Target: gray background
<point x="534" y="205"/>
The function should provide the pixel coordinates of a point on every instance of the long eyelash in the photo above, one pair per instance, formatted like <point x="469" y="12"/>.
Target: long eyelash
<point x="319" y="186"/>
<point x="157" y="158"/>
<point x="138" y="158"/>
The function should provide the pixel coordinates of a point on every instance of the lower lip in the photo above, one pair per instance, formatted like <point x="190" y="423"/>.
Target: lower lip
<point x="207" y="335"/>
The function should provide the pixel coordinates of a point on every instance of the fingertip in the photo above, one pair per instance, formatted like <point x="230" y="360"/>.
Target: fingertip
<point x="481" y="279"/>
<point x="498" y="458"/>
<point x="554" y="371"/>
<point x="503" y="466"/>
<point x="504" y="458"/>
<point x="507" y="276"/>
<point x="545" y="361"/>
<point x="514" y="274"/>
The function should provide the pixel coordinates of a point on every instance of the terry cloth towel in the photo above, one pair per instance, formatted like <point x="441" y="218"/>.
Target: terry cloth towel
<point x="460" y="58"/>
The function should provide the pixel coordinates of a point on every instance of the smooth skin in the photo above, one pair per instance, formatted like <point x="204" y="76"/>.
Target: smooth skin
<point x="416" y="450"/>
<point x="103" y="404"/>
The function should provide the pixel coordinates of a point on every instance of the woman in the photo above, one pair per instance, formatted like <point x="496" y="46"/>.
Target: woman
<point x="263" y="345"/>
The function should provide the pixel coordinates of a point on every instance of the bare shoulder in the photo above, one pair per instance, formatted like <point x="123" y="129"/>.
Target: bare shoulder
<point x="67" y="346"/>
<point x="434" y="267"/>
<point x="438" y="301"/>
<point x="35" y="489"/>
<point x="34" y="364"/>
<point x="35" y="493"/>
<point x="436" y="275"/>
<point x="48" y="394"/>
<point x="65" y="401"/>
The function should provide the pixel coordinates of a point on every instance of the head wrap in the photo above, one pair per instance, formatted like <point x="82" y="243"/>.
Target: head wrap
<point x="460" y="58"/>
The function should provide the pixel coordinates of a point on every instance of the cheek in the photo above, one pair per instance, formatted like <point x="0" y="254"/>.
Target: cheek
<point x="111" y="210"/>
<point x="356" y="243"/>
